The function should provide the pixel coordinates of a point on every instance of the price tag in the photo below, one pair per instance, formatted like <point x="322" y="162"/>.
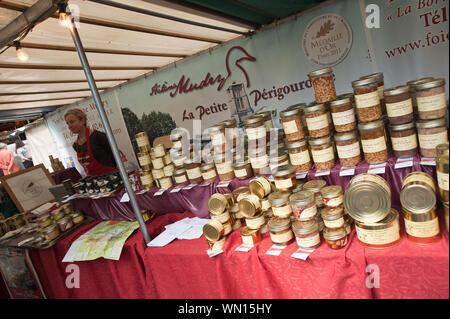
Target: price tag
<point x="159" y="193"/>
<point x="430" y="161"/>
<point x="301" y="175"/>
<point x="176" y="189"/>
<point x="404" y="162"/>
<point x="347" y="171"/>
<point x="213" y="253"/>
<point x="276" y="250"/>
<point x="377" y="168"/>
<point x="223" y="184"/>
<point x="243" y="248"/>
<point x="322" y="172"/>
<point x="189" y="186"/>
<point x="302" y="253"/>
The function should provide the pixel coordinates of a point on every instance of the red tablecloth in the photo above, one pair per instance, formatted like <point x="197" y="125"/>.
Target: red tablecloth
<point x="195" y="199"/>
<point x="183" y="270"/>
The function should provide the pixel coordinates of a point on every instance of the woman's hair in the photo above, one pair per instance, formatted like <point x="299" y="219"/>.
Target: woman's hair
<point x="19" y="143"/>
<point x="78" y="113"/>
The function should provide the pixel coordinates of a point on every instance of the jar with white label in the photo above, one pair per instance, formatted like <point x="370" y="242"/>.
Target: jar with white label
<point x="379" y="77"/>
<point x="343" y="115"/>
<point x="267" y="115"/>
<point x="250" y="237"/>
<point x="292" y="124"/>
<point x="158" y="162"/>
<point x="278" y="158"/>
<point x="165" y="182"/>
<point x="322" y="152"/>
<point x="348" y="148"/>
<point x="442" y="170"/>
<point x="177" y="158"/>
<point x="256" y="131"/>
<point x="412" y="89"/>
<point x="259" y="161"/>
<point x="180" y="177"/>
<point x="144" y="160"/>
<point x="306" y="234"/>
<point x="399" y="105"/>
<point x="336" y="238"/>
<point x="333" y="195"/>
<point x="243" y="169"/>
<point x="303" y="205"/>
<point x="280" y="231"/>
<point x="209" y="173"/>
<point x="299" y="155"/>
<point x="315" y="186"/>
<point x="224" y="166"/>
<point x="231" y="131"/>
<point x="317" y="120"/>
<point x="367" y="99"/>
<point x="256" y="221"/>
<point x="431" y="133"/>
<point x="419" y="211"/>
<point x="431" y="99"/>
<point x="279" y="201"/>
<point x="373" y="140"/>
<point x="284" y="178"/>
<point x="218" y="140"/>
<point x="193" y="171"/>
<point x="333" y="217"/>
<point x="404" y="140"/>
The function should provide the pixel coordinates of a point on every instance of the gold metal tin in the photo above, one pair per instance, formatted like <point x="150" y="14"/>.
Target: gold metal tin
<point x="217" y="204"/>
<point x="419" y="178"/>
<point x="314" y="185"/>
<point x="367" y="202"/>
<point x="250" y="205"/>
<point x="223" y="217"/>
<point x="446" y="214"/>
<point x="50" y="232"/>
<point x="418" y="202"/>
<point x="374" y="178"/>
<point x="213" y="230"/>
<point x="255" y="222"/>
<point x="260" y="187"/>
<point x="77" y="217"/>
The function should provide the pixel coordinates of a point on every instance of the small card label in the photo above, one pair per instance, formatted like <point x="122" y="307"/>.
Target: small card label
<point x="176" y="189"/>
<point x="243" y="248"/>
<point x="347" y="171"/>
<point x="323" y="172"/>
<point x="301" y="175"/>
<point x="302" y="253"/>
<point x="377" y="168"/>
<point x="159" y="192"/>
<point x="430" y="161"/>
<point x="213" y="253"/>
<point x="276" y="250"/>
<point x="403" y="162"/>
<point x="223" y="184"/>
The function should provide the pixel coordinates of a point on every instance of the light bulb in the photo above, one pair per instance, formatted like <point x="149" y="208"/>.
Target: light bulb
<point x="22" y="55"/>
<point x="64" y="20"/>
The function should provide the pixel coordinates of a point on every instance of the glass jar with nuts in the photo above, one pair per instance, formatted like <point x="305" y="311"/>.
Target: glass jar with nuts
<point x="323" y="84"/>
<point x="373" y="140"/>
<point x="317" y="120"/>
<point x="367" y="100"/>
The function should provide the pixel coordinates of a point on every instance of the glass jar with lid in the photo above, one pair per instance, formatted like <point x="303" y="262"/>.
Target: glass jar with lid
<point x="431" y="133"/>
<point x="218" y="139"/>
<point x="315" y="186"/>
<point x="431" y="99"/>
<point x="224" y="166"/>
<point x="316" y="117"/>
<point x="333" y="195"/>
<point x="322" y="82"/>
<point x="442" y="170"/>
<point x="259" y="161"/>
<point x="373" y="140"/>
<point x="193" y="171"/>
<point x="404" y="140"/>
<point x="278" y="158"/>
<point x="322" y="152"/>
<point x="412" y="88"/>
<point x="303" y="205"/>
<point x="180" y="177"/>
<point x="280" y="231"/>
<point x="255" y="129"/>
<point x="306" y="234"/>
<point x="242" y="169"/>
<point x="231" y="131"/>
<point x="209" y="173"/>
<point x="292" y="124"/>
<point x="336" y="238"/>
<point x="250" y="237"/>
<point x="379" y="77"/>
<point x="399" y="105"/>
<point x="284" y="178"/>
<point x="299" y="155"/>
<point x="279" y="201"/>
<point x="333" y="217"/>
<point x="367" y="100"/>
<point x="343" y="115"/>
<point x="267" y="115"/>
<point x="348" y="148"/>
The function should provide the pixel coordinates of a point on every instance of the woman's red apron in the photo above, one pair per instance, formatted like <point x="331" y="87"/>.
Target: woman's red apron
<point x="89" y="163"/>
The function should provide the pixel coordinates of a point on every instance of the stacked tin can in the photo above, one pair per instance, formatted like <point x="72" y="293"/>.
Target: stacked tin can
<point x="418" y="200"/>
<point x="368" y="201"/>
<point x="163" y="168"/>
<point x="221" y="224"/>
<point x="145" y="160"/>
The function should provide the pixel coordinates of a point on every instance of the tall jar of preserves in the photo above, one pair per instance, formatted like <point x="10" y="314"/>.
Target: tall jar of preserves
<point x="343" y="115"/>
<point x="431" y="133"/>
<point x="323" y="85"/>
<point x="224" y="166"/>
<point x="303" y="205"/>
<point x="412" y="89"/>
<point x="367" y="100"/>
<point x="299" y="155"/>
<point x="322" y="152"/>
<point x="399" y="105"/>
<point x="443" y="171"/>
<point x="193" y="171"/>
<point x="379" y="77"/>
<point x="256" y="131"/>
<point x="292" y="124"/>
<point x="218" y="140"/>
<point x="306" y="234"/>
<point x="259" y="161"/>
<point x="267" y="115"/>
<point x="284" y="177"/>
<point x="404" y="140"/>
<point x="431" y="99"/>
<point x="231" y="131"/>
<point x="280" y="231"/>
<point x="373" y="140"/>
<point x="317" y="120"/>
<point x="348" y="148"/>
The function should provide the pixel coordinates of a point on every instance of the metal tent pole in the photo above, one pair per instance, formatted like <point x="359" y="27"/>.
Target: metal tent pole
<point x="108" y="131"/>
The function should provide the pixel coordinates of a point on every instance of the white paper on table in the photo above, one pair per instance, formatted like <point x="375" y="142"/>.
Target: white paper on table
<point x="243" y="248"/>
<point x="347" y="171"/>
<point x="404" y="162"/>
<point x="213" y="253"/>
<point x="377" y="168"/>
<point x="170" y="234"/>
<point x="323" y="172"/>
<point x="275" y="250"/>
<point x="160" y="192"/>
<point x="223" y="184"/>
<point x="302" y="254"/>
<point x="301" y="175"/>
<point x="189" y="186"/>
<point x="430" y="161"/>
<point x="125" y="198"/>
<point x="176" y="189"/>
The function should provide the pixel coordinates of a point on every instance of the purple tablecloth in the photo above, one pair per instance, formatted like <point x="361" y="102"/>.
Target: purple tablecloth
<point x="195" y="199"/>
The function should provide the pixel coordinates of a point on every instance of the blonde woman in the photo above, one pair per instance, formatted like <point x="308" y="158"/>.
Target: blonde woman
<point x="92" y="147"/>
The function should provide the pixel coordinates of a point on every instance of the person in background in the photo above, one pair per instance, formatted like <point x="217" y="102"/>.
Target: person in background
<point x="92" y="147"/>
<point x="22" y="152"/>
<point x="7" y="162"/>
